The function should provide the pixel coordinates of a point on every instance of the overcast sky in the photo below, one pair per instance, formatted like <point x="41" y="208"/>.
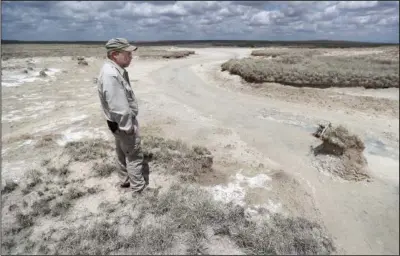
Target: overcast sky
<point x="376" y="21"/>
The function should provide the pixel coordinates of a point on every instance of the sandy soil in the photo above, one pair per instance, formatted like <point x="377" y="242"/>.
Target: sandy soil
<point x="253" y="133"/>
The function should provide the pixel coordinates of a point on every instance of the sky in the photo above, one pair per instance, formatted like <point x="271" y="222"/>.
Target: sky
<point x="368" y="21"/>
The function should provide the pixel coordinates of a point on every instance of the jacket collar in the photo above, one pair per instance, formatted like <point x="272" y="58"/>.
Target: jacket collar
<point x="120" y="69"/>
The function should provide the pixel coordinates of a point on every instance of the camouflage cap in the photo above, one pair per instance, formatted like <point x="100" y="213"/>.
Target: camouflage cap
<point x="120" y="44"/>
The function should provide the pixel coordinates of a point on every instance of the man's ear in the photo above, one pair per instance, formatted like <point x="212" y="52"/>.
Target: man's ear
<point x="113" y="53"/>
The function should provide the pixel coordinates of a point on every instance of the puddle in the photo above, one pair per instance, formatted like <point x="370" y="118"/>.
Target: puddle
<point x="373" y="146"/>
<point x="296" y="123"/>
<point x="378" y="148"/>
<point x="286" y="118"/>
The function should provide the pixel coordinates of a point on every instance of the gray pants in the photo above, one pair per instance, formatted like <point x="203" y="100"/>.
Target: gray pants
<point x="130" y="159"/>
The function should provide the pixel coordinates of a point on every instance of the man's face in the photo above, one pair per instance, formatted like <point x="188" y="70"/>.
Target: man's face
<point x="123" y="58"/>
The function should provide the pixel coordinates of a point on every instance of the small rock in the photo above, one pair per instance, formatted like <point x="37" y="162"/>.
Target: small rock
<point x="25" y="71"/>
<point x="229" y="146"/>
<point x="42" y="73"/>
<point x="83" y="63"/>
<point x="80" y="58"/>
<point x="30" y="68"/>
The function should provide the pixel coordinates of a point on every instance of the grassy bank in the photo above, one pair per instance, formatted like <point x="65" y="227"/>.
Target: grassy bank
<point x="311" y="68"/>
<point x="72" y="206"/>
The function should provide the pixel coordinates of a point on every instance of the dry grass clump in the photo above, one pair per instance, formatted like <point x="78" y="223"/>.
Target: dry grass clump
<point x="103" y="238"/>
<point x="191" y="211"/>
<point x="104" y="169"/>
<point x="101" y="235"/>
<point x="317" y="70"/>
<point x="348" y="147"/>
<point x="33" y="178"/>
<point x="19" y="138"/>
<point x="62" y="171"/>
<point x="50" y="201"/>
<point x="88" y="150"/>
<point x="61" y="207"/>
<point x="24" y="220"/>
<point x="47" y="140"/>
<point x="281" y="235"/>
<point x="284" y="52"/>
<point x="41" y="207"/>
<point x="177" y="157"/>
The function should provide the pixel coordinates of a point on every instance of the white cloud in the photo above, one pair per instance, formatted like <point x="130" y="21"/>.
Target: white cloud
<point x="141" y="20"/>
<point x="266" y="17"/>
<point x="356" y="5"/>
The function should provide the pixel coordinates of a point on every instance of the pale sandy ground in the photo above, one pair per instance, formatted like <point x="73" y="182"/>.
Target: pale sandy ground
<point x="251" y="134"/>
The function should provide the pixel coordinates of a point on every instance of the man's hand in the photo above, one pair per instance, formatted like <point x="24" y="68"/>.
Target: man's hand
<point x="133" y="131"/>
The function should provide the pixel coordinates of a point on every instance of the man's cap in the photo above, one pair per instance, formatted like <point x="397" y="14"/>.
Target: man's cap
<point x="120" y="44"/>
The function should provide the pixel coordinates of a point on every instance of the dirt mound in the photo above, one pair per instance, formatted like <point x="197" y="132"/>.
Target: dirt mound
<point x="338" y="142"/>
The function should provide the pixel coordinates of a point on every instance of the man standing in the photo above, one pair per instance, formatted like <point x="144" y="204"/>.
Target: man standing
<point x="121" y="109"/>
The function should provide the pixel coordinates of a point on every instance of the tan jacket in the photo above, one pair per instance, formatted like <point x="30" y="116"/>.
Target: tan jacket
<point x="116" y="96"/>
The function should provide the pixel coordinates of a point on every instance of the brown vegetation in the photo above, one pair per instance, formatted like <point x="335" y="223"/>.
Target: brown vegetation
<point x="79" y="52"/>
<point x="88" y="150"/>
<point x="308" y="68"/>
<point x="147" y="53"/>
<point x="47" y="140"/>
<point x="177" y="157"/>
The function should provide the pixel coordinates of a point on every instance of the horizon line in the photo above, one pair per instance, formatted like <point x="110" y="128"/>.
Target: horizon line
<point x="204" y="40"/>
